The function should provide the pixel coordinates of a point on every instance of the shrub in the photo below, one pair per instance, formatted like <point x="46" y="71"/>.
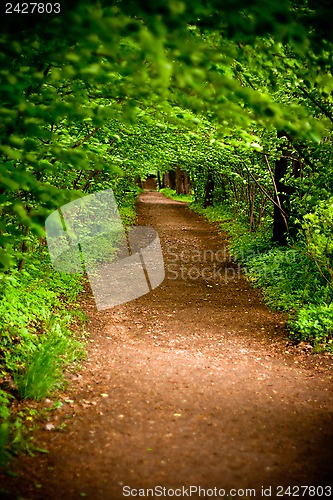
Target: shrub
<point x="44" y="370"/>
<point x="295" y="279"/>
<point x="314" y="322"/>
<point x="36" y="312"/>
<point x="128" y="215"/>
<point x="171" y="193"/>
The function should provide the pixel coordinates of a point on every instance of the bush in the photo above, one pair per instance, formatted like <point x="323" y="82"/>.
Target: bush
<point x="288" y="277"/>
<point x="128" y="215"/>
<point x="171" y="193"/>
<point x="32" y="301"/>
<point x="44" y="370"/>
<point x="296" y="279"/>
<point x="36" y="312"/>
<point x="314" y="323"/>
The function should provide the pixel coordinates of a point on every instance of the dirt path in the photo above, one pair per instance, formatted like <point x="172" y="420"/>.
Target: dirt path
<point x="191" y="384"/>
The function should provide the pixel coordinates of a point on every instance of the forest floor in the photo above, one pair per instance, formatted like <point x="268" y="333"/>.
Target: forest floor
<point x="193" y="384"/>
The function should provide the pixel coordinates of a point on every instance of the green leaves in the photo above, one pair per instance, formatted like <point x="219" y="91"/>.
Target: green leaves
<point x="112" y="92"/>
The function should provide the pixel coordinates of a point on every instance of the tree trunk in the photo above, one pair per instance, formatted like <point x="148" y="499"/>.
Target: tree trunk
<point x="160" y="181"/>
<point x="170" y="179"/>
<point x="209" y="189"/>
<point x="280" y="219"/>
<point x="281" y="197"/>
<point x="282" y="211"/>
<point x="182" y="182"/>
<point x="138" y="181"/>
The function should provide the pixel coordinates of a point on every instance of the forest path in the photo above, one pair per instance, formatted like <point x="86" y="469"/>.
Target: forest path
<point x="191" y="384"/>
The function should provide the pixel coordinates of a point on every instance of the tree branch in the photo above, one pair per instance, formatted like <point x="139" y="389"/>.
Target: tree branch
<point x="283" y="213"/>
<point x="79" y="143"/>
<point x="316" y="103"/>
<point x="276" y="193"/>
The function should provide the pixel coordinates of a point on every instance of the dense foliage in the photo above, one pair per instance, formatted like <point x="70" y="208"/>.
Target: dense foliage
<point x="238" y="94"/>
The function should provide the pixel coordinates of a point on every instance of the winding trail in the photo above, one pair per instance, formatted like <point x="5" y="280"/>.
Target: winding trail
<point x="192" y="384"/>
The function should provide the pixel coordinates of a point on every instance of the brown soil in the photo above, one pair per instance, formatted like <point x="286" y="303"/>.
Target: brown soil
<point x="191" y="384"/>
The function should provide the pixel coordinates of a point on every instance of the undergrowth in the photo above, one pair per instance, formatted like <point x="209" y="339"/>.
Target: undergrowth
<point x="42" y="334"/>
<point x="126" y="205"/>
<point x="37" y="312"/>
<point x="171" y="193"/>
<point x="291" y="279"/>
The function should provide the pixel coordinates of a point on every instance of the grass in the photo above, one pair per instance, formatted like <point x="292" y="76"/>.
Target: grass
<point x="37" y="313"/>
<point x="42" y="335"/>
<point x="171" y="193"/>
<point x="288" y="277"/>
